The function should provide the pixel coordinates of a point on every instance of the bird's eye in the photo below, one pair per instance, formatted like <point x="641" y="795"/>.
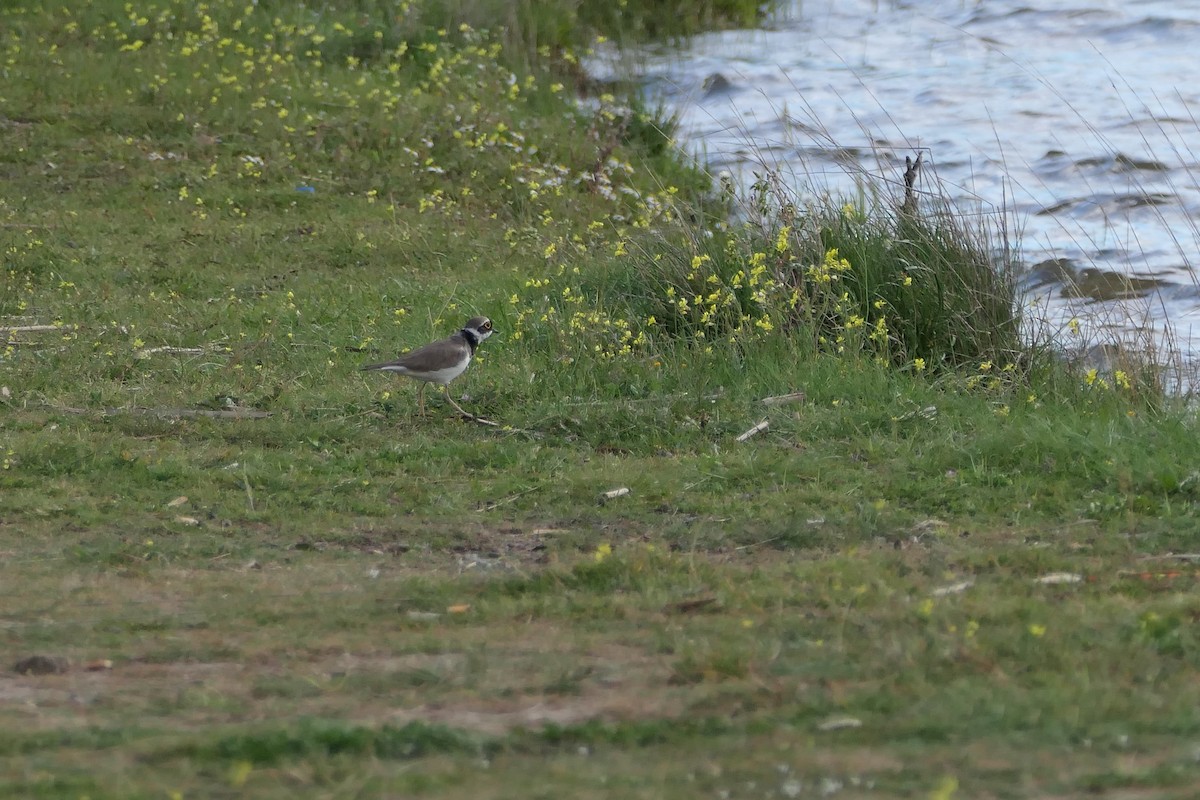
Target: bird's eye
<point x="487" y="326"/>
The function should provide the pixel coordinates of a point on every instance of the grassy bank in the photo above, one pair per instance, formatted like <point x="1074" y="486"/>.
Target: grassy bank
<point x="950" y="569"/>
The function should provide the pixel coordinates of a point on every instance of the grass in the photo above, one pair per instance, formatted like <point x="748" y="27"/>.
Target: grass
<point x="339" y="598"/>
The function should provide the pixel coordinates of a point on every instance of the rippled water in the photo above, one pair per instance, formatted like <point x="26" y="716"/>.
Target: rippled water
<point x="1079" y="118"/>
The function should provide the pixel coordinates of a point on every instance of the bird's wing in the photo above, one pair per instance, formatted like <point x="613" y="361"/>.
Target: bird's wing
<point x="424" y="359"/>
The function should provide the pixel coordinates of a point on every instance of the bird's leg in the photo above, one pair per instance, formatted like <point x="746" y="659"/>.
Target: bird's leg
<point x="421" y="399"/>
<point x="449" y="399"/>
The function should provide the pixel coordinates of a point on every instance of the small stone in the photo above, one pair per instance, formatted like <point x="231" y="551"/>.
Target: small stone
<point x="1059" y="577"/>
<point x="839" y="723"/>
<point x="716" y="83"/>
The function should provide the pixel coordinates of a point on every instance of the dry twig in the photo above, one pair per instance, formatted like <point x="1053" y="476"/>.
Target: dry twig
<point x="757" y="429"/>
<point x="911" y="168"/>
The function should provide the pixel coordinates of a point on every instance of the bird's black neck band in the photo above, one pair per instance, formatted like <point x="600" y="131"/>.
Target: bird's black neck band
<point x="472" y="339"/>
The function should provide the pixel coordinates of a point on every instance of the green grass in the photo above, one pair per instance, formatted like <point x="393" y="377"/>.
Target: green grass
<point x="343" y="599"/>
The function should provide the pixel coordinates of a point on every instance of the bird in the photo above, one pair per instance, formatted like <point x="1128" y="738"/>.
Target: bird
<point x="442" y="361"/>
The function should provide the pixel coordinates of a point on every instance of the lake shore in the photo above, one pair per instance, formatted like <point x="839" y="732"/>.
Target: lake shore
<point x="236" y="564"/>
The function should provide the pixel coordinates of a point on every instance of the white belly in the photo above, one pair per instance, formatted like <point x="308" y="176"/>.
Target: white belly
<point x="442" y="376"/>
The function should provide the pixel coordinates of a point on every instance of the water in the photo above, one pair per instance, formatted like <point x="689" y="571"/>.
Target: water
<point x="1077" y="118"/>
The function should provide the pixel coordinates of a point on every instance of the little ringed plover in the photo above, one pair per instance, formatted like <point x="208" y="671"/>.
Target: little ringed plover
<point x="442" y="361"/>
